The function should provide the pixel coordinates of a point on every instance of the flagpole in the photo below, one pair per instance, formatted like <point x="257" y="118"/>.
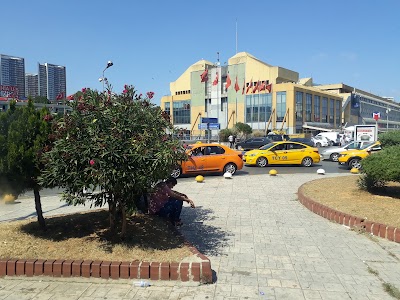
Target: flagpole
<point x="236" y="38"/>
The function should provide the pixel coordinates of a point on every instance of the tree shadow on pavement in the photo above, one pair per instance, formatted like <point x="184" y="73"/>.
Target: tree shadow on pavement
<point x="208" y="239"/>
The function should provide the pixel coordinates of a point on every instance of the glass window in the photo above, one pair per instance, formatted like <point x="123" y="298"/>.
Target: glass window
<point x="299" y="106"/>
<point x="316" y="108"/>
<point x="213" y="150"/>
<point x="280" y="106"/>
<point x="308" y="107"/>
<point x="331" y="110"/>
<point x="338" y="115"/>
<point x="181" y="111"/>
<point x="324" y="110"/>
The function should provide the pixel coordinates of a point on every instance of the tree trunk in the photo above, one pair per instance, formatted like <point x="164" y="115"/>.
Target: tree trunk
<point x="112" y="209"/>
<point x="38" y="207"/>
<point x="123" y="227"/>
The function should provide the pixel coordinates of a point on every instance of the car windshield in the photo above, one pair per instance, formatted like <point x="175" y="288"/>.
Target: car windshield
<point x="267" y="146"/>
<point x="366" y="146"/>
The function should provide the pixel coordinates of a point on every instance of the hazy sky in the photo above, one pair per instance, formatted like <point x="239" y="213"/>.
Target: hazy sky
<point x="151" y="43"/>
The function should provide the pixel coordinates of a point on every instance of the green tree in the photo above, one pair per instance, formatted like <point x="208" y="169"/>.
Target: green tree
<point x="24" y="132"/>
<point x="41" y="99"/>
<point x="391" y="138"/>
<point x="116" y="146"/>
<point x="242" y="129"/>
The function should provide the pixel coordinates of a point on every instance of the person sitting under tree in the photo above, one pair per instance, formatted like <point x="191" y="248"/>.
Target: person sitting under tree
<point x="166" y="203"/>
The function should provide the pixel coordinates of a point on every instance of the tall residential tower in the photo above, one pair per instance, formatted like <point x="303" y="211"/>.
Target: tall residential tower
<point x="12" y="76"/>
<point x="52" y="81"/>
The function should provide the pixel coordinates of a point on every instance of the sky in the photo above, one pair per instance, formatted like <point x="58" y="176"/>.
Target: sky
<point x="151" y="43"/>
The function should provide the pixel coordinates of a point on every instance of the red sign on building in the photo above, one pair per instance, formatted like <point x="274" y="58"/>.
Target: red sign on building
<point x="9" y="91"/>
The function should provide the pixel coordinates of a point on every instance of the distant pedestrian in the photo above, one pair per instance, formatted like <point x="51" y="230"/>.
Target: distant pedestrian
<point x="231" y="141"/>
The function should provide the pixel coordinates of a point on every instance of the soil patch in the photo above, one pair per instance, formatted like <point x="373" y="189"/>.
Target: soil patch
<point x="87" y="236"/>
<point x="343" y="194"/>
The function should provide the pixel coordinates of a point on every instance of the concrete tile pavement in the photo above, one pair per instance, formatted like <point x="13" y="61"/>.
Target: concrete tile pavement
<point x="262" y="243"/>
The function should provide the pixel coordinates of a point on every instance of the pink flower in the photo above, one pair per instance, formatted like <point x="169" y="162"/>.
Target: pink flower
<point x="125" y="91"/>
<point x="150" y="95"/>
<point x="91" y="162"/>
<point x="84" y="90"/>
<point x="125" y="86"/>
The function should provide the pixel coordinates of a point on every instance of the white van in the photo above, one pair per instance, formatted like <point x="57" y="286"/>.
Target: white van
<point x="332" y="136"/>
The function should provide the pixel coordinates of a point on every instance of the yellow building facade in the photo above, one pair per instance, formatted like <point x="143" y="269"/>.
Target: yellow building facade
<point x="250" y="91"/>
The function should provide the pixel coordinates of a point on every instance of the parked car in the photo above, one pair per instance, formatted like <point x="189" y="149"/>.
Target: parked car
<point x="352" y="158"/>
<point x="320" y="141"/>
<point x="282" y="153"/>
<point x="253" y="143"/>
<point x="305" y="141"/>
<point x="209" y="158"/>
<point x="332" y="136"/>
<point x="278" y="137"/>
<point x="334" y="153"/>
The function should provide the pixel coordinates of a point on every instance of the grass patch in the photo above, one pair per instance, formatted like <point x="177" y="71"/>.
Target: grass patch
<point x="372" y="271"/>
<point x="87" y="236"/>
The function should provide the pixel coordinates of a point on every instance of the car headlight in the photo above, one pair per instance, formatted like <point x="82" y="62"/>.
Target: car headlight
<point x="253" y="154"/>
<point x="342" y="155"/>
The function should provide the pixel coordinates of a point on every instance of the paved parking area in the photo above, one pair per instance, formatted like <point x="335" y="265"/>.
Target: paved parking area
<point x="263" y="244"/>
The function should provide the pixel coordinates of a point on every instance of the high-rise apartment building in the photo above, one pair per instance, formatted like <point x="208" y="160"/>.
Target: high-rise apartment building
<point x="52" y="81"/>
<point x="31" y="85"/>
<point x="12" y="76"/>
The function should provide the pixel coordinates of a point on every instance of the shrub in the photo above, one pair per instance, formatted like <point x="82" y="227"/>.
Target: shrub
<point x="391" y="138"/>
<point x="379" y="168"/>
<point x="224" y="134"/>
<point x="258" y="133"/>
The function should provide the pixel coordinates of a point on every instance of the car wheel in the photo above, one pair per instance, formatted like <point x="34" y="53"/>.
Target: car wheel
<point x="355" y="163"/>
<point x="318" y="145"/>
<point x="230" y="168"/>
<point x="176" y="172"/>
<point x="307" y="162"/>
<point x="262" y="162"/>
<point x="331" y="143"/>
<point x="334" y="156"/>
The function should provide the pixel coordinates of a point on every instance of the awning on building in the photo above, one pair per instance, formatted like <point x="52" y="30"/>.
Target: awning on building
<point x="319" y="126"/>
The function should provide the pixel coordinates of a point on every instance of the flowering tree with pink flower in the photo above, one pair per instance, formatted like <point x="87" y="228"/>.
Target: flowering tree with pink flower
<point x="111" y="149"/>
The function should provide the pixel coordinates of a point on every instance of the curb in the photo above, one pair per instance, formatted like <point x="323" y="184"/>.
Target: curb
<point x="384" y="231"/>
<point x="183" y="271"/>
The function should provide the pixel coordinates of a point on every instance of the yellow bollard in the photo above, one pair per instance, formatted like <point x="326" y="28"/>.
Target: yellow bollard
<point x="199" y="178"/>
<point x="354" y="171"/>
<point x="9" y="199"/>
<point x="273" y="172"/>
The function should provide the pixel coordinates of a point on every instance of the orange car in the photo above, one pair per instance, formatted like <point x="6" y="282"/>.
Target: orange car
<point x="209" y="158"/>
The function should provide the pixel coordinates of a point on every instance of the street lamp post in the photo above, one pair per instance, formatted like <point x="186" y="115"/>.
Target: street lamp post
<point x="103" y="79"/>
<point x="387" y="118"/>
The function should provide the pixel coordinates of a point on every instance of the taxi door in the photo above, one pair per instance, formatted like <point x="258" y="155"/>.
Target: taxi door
<point x="216" y="158"/>
<point x="278" y="155"/>
<point x="197" y="160"/>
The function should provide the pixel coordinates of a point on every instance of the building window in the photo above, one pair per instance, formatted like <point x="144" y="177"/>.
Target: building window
<point x="181" y="111"/>
<point x="338" y="115"/>
<point x="168" y="108"/>
<point x="324" y="110"/>
<point x="308" y="107"/>
<point x="224" y="101"/>
<point x="316" y="108"/>
<point x="280" y="106"/>
<point x="265" y="107"/>
<point x="299" y="106"/>
<point x="331" y="110"/>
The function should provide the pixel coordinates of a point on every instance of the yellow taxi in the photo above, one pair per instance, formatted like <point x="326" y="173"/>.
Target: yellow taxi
<point x="352" y="158"/>
<point x="282" y="153"/>
<point x="209" y="158"/>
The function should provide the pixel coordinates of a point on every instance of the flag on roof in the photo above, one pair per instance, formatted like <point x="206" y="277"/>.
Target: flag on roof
<point x="204" y="76"/>
<point x="268" y="87"/>
<point x="255" y="89"/>
<point x="237" y="88"/>
<point x="249" y="86"/>
<point x="215" y="82"/>
<point x="228" y="82"/>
